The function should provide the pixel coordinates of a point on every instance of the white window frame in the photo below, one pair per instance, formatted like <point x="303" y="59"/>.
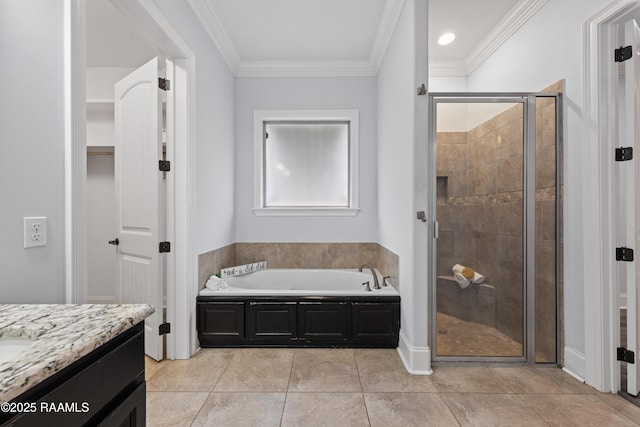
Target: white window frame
<point x="262" y="116"/>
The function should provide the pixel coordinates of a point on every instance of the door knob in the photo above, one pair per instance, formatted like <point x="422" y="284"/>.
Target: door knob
<point x="114" y="242"/>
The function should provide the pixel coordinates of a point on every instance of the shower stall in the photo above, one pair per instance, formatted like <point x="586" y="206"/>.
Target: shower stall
<point x="497" y="240"/>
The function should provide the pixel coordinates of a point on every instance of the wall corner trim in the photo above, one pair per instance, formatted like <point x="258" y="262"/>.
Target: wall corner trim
<point x="416" y="360"/>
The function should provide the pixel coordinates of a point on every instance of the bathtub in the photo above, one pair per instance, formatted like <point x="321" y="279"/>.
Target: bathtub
<point x="299" y="308"/>
<point x="302" y="282"/>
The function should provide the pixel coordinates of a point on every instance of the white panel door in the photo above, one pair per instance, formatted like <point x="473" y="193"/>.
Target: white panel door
<point x="632" y="133"/>
<point x="139" y="198"/>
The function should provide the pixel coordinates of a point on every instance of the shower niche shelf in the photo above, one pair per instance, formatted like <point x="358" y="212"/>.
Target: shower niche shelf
<point x="442" y="183"/>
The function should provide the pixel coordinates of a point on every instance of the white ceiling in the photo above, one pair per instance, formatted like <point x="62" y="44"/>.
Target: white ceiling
<point x="481" y="26"/>
<point x="471" y="21"/>
<point x="300" y="37"/>
<point x="317" y="37"/>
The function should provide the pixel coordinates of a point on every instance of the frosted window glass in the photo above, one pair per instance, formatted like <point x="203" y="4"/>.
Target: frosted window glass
<point x="306" y="164"/>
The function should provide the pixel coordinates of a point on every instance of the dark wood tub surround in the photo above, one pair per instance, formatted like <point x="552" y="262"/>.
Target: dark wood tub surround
<point x="298" y="321"/>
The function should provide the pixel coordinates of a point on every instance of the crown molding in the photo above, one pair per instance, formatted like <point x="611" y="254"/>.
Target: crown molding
<point x="448" y="69"/>
<point x="242" y="68"/>
<point x="511" y="23"/>
<point x="217" y="33"/>
<point x="306" y="69"/>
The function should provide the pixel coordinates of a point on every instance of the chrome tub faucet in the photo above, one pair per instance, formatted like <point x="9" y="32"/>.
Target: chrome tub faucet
<point x="376" y="284"/>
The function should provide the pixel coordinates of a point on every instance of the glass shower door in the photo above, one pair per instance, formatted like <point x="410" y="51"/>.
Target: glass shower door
<point x="479" y="208"/>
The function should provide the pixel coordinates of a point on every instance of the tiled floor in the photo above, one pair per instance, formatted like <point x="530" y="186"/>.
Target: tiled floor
<point x="361" y="387"/>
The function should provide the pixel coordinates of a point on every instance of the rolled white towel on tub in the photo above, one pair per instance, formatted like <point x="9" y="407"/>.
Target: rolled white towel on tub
<point x="215" y="283"/>
<point x="462" y="281"/>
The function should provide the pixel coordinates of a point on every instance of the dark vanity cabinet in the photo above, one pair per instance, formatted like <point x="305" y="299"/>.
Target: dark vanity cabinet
<point x="298" y="321"/>
<point x="104" y="388"/>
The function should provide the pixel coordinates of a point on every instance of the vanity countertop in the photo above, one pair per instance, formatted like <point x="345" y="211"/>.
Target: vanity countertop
<point x="63" y="334"/>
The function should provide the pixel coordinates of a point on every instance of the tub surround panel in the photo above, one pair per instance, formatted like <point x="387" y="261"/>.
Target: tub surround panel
<point x="301" y="255"/>
<point x="298" y="321"/>
<point x="63" y="334"/>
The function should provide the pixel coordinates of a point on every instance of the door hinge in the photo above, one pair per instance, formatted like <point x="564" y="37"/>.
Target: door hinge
<point x="164" y="84"/>
<point x="623" y="53"/>
<point x="164" y="328"/>
<point x="165" y="247"/>
<point x="624" y="153"/>
<point x="164" y="165"/>
<point x="624" y="254"/>
<point x="625" y="355"/>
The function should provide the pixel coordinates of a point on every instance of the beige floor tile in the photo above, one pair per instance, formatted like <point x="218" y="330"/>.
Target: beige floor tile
<point x="241" y="409"/>
<point x="378" y="358"/>
<point x="576" y="410"/>
<point x="408" y="409"/>
<point x="151" y="367"/>
<point x="383" y="371"/>
<point x="265" y="370"/>
<point x="324" y="409"/>
<point x="526" y="379"/>
<point x="213" y="356"/>
<point x="478" y="409"/>
<point x="469" y="379"/>
<point x="622" y="405"/>
<point x="185" y="375"/>
<point x="324" y="370"/>
<point x="173" y="409"/>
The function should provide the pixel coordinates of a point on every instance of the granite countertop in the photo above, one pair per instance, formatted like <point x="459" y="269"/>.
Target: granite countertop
<point x="62" y="333"/>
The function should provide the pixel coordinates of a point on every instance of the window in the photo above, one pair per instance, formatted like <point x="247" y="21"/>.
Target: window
<point x="306" y="163"/>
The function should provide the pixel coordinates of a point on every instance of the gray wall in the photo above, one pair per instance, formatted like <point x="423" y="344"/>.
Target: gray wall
<point x="32" y="141"/>
<point x="357" y="93"/>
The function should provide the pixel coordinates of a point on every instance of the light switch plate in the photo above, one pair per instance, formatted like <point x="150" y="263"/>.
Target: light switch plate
<point x="35" y="231"/>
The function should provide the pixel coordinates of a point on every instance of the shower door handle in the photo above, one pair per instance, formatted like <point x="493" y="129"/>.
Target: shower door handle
<point x="115" y="242"/>
<point x="436" y="229"/>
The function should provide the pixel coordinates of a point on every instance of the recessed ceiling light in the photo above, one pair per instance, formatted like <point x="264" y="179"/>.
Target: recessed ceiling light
<point x="447" y="38"/>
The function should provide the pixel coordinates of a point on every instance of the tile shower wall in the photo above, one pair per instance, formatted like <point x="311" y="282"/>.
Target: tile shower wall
<point x="300" y="255"/>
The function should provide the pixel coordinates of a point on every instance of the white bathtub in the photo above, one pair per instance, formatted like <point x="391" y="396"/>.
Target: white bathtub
<point x="302" y="282"/>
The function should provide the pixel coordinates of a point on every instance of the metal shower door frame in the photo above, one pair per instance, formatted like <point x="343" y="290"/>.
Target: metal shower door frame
<point x="528" y="100"/>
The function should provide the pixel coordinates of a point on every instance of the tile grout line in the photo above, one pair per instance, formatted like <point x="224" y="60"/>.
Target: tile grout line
<point x="286" y="391"/>
<point x="366" y="408"/>
<point x="212" y="388"/>
<point x="616" y="409"/>
<point x="448" y="407"/>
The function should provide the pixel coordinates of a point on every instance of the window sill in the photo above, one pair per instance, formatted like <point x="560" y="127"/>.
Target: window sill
<point x="305" y="211"/>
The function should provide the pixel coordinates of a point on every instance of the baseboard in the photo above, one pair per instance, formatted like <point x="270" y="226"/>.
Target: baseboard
<point x="416" y="360"/>
<point x="574" y="363"/>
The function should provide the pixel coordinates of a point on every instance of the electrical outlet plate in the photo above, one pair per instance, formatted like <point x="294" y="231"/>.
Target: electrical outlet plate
<point x="35" y="231"/>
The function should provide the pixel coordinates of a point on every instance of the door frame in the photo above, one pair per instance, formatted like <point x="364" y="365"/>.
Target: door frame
<point x="598" y="365"/>
<point x="182" y="263"/>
